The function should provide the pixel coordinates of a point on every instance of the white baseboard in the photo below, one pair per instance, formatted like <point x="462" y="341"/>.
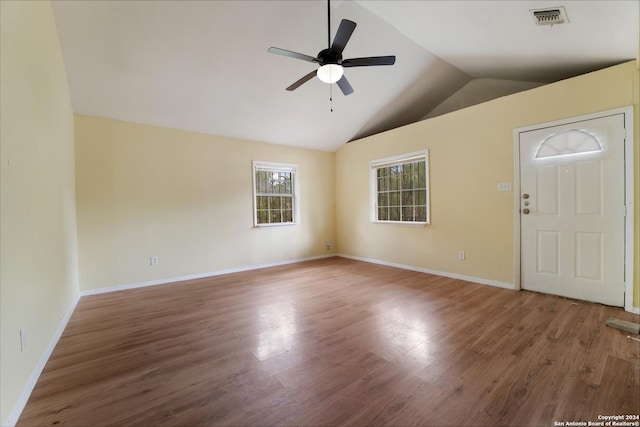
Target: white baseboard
<point x="198" y="276"/>
<point x="435" y="272"/>
<point x="631" y="309"/>
<point x="35" y="374"/>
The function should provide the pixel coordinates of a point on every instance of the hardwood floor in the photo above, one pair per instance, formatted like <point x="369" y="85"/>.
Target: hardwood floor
<point x="335" y="342"/>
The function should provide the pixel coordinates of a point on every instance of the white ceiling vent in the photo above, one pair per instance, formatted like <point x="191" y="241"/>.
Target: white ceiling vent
<point x="550" y="16"/>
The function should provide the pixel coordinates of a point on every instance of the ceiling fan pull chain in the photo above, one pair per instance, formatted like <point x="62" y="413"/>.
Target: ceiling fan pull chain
<point x="331" y="97"/>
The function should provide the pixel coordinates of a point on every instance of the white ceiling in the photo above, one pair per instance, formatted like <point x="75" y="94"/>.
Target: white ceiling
<point x="203" y="65"/>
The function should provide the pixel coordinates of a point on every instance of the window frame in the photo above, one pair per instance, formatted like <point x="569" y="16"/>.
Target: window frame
<point x="295" y="194"/>
<point x="374" y="165"/>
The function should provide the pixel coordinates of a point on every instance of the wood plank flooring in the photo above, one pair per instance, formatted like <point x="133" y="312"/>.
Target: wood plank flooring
<point x="335" y="342"/>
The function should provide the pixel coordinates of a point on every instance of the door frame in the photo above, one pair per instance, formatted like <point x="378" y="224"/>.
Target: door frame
<point x="629" y="195"/>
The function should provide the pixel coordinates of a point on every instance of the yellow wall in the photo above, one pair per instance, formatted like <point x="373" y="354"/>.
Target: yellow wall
<point x="471" y="150"/>
<point x="185" y="197"/>
<point x="38" y="262"/>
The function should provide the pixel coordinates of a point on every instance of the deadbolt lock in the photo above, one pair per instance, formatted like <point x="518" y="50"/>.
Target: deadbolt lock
<point x="525" y="196"/>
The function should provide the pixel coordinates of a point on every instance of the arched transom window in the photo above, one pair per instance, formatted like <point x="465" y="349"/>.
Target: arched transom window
<point x="567" y="143"/>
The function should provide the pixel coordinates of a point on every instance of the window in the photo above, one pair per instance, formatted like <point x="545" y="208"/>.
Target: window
<point x="567" y="143"/>
<point x="275" y="197"/>
<point x="400" y="190"/>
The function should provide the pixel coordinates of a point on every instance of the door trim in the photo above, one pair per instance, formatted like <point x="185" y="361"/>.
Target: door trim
<point x="629" y="195"/>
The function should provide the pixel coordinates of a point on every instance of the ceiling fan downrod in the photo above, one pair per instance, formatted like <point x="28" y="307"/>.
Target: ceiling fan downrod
<point x="328" y="24"/>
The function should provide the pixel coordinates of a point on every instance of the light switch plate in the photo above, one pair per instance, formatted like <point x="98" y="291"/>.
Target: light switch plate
<point x="504" y="186"/>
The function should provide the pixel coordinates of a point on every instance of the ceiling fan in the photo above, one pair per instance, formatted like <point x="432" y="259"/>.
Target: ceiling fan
<point x="330" y="59"/>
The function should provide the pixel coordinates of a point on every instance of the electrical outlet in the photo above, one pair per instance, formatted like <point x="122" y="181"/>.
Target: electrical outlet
<point x="153" y="260"/>
<point x="23" y="339"/>
<point x="462" y="255"/>
<point x="328" y="244"/>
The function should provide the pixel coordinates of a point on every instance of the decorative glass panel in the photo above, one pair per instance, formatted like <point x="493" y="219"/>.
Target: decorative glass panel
<point x="567" y="143"/>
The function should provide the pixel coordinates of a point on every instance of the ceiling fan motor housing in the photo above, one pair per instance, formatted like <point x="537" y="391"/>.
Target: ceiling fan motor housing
<point x="327" y="56"/>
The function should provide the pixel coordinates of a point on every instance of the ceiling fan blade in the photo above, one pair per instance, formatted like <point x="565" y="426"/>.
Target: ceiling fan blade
<point x="291" y="54"/>
<point x="302" y="81"/>
<point x="342" y="36"/>
<point x="344" y="86"/>
<point x="372" y="60"/>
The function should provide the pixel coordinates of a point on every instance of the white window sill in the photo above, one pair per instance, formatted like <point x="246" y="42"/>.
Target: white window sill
<point x="282" y="224"/>
<point x="410" y="223"/>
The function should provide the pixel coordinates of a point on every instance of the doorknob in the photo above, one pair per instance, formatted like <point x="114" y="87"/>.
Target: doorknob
<point x="525" y="211"/>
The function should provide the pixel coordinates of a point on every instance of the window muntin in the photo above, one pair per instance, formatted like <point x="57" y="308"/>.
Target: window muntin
<point x="399" y="187"/>
<point x="275" y="194"/>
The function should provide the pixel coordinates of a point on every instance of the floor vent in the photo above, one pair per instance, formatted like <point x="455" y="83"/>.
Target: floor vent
<point x="551" y="16"/>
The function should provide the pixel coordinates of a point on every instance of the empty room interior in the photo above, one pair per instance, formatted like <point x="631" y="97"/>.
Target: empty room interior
<point x="320" y="213"/>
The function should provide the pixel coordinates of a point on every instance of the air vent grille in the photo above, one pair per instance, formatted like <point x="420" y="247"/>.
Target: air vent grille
<point x="551" y="16"/>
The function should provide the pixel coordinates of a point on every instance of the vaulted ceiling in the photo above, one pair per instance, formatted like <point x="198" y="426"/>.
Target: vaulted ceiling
<point x="203" y="65"/>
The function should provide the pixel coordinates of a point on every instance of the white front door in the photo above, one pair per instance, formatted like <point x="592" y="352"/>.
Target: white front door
<point x="572" y="210"/>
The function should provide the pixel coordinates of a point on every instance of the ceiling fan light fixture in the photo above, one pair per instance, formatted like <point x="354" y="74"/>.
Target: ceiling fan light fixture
<point x="330" y="73"/>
